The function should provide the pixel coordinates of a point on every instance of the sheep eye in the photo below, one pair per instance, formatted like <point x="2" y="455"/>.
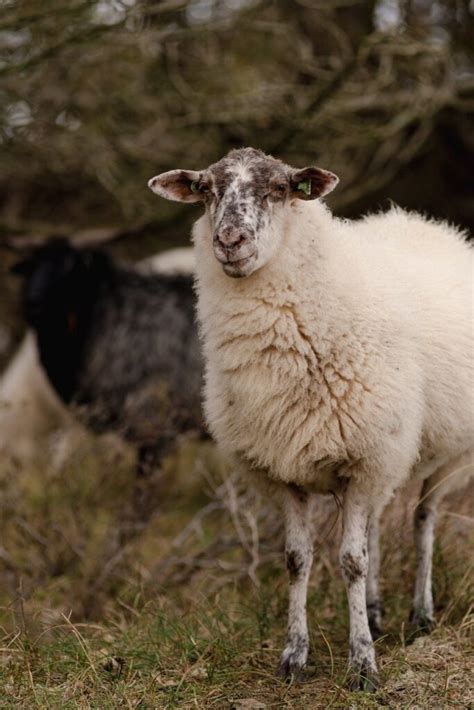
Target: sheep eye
<point x="281" y="188"/>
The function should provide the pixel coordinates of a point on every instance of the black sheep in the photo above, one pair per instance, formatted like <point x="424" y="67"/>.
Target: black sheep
<point x="118" y="344"/>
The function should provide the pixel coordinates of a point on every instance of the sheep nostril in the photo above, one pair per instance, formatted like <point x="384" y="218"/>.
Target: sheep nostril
<point x="236" y="242"/>
<point x="229" y="241"/>
<point x="218" y="242"/>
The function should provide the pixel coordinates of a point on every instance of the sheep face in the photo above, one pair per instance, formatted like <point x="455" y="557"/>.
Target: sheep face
<point x="246" y="195"/>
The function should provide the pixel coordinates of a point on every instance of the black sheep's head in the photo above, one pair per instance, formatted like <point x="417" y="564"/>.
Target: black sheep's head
<point x="57" y="282"/>
<point x="60" y="291"/>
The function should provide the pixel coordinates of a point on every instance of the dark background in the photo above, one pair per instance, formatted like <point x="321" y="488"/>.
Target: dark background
<point x="96" y="96"/>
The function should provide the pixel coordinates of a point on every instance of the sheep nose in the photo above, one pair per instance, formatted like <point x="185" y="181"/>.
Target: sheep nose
<point x="230" y="238"/>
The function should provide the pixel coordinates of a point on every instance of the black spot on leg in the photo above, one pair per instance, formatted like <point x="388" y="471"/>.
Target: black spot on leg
<point x="421" y="515"/>
<point x="294" y="564"/>
<point x="351" y="567"/>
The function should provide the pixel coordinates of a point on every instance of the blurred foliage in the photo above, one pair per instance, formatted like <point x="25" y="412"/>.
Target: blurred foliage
<point x="98" y="95"/>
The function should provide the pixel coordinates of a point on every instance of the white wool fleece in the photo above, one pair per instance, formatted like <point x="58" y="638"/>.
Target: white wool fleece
<point x="349" y="351"/>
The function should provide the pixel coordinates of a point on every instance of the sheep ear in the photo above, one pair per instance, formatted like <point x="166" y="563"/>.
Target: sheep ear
<point x="310" y="183"/>
<point x="178" y="185"/>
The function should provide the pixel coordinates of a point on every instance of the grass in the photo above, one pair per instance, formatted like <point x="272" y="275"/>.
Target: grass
<point x="188" y="609"/>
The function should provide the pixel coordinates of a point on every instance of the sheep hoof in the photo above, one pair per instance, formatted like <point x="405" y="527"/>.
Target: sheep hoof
<point x="290" y="668"/>
<point x="364" y="679"/>
<point x="290" y="673"/>
<point x="421" y="622"/>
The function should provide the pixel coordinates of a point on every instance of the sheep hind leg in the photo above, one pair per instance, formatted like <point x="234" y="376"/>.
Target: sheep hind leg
<point x="373" y="601"/>
<point x="353" y="558"/>
<point x="448" y="477"/>
<point x="299" y="558"/>
<point x="422" y="616"/>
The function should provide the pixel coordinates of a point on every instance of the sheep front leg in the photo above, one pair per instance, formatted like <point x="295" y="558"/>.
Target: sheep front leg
<point x="299" y="558"/>
<point x="354" y="564"/>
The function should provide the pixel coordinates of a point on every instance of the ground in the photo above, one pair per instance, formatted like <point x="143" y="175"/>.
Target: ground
<point x="178" y="600"/>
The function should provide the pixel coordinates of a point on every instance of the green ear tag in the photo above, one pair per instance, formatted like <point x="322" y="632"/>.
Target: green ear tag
<point x="305" y="187"/>
<point x="194" y="186"/>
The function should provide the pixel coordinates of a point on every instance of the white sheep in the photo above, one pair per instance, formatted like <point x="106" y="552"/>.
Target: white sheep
<point x="30" y="410"/>
<point x="171" y="261"/>
<point x="338" y="359"/>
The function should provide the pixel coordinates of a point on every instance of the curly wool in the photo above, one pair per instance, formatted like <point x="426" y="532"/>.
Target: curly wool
<point x="353" y="345"/>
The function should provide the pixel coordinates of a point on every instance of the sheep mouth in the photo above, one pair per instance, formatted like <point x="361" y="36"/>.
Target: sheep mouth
<point x="239" y="268"/>
<point x="234" y="256"/>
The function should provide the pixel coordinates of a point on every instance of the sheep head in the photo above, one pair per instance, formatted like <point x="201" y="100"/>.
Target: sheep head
<point x="245" y="194"/>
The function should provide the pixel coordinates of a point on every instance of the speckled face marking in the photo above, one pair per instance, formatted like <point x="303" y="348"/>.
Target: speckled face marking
<point x="245" y="194"/>
<point x="246" y="186"/>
